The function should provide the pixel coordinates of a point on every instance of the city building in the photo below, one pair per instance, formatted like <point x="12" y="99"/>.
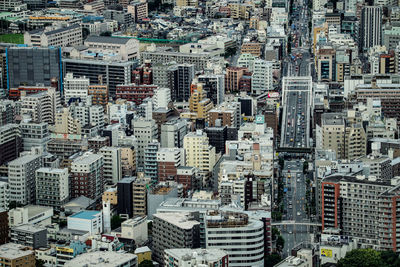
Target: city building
<point x="4" y="195"/>
<point x="12" y="254"/>
<point x="173" y="133"/>
<point x="150" y="160"/>
<point x="261" y="78"/>
<point x="134" y="92"/>
<point x="145" y="132"/>
<point x="34" y="135"/>
<point x="125" y="197"/>
<point x="21" y="178"/>
<point x="173" y="230"/>
<point x="110" y="195"/>
<point x="127" y="48"/>
<point x="99" y="94"/>
<point x="87" y="176"/>
<point x="21" y="61"/>
<point x="67" y="252"/>
<point x="195" y="257"/>
<point x="112" y="164"/>
<point x="29" y="235"/>
<point x="75" y="87"/>
<point x="52" y="187"/>
<point x="10" y="142"/>
<point x="168" y="162"/>
<point x="61" y="37"/>
<point x="4" y="228"/>
<point x="41" y="107"/>
<point x="103" y="259"/>
<point x="180" y="82"/>
<point x="135" y="228"/>
<point x="214" y="85"/>
<point x="370" y="27"/>
<point x="30" y="214"/>
<point x="199" y="153"/>
<point x="88" y="220"/>
<point x="232" y="78"/>
<point x="138" y="9"/>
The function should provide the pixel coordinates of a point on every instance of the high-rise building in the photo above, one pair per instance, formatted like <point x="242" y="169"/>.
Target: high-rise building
<point x="217" y="137"/>
<point x="87" y="176"/>
<point x="243" y="237"/>
<point x="173" y="132"/>
<point x="99" y="94"/>
<point x="10" y="142"/>
<point x="135" y="92"/>
<point x="232" y="78"/>
<point x="214" y="85"/>
<point x="41" y="107"/>
<point x="362" y="208"/>
<point x="199" y="153"/>
<point x="261" y="79"/>
<point x="370" y="27"/>
<point x="75" y="87"/>
<point x="125" y="196"/>
<point x="150" y="160"/>
<point x="112" y="164"/>
<point x="168" y="162"/>
<point x="8" y="110"/>
<point x="162" y="97"/>
<point x="4" y="196"/>
<point x="35" y="135"/>
<point x="21" y="178"/>
<point x="181" y="81"/>
<point x="33" y="65"/>
<point x="145" y="132"/>
<point x="228" y="114"/>
<point x="173" y="230"/>
<point x="52" y="187"/>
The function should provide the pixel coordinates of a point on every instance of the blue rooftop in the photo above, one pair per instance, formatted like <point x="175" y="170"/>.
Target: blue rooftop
<point x="86" y="214"/>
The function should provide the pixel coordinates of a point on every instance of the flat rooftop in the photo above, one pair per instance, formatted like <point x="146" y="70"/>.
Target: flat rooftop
<point x="101" y="259"/>
<point x="14" y="251"/>
<point x="86" y="214"/>
<point x="178" y="219"/>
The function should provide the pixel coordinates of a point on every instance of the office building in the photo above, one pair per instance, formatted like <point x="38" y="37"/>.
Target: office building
<point x="150" y="160"/>
<point x="326" y="64"/>
<point x="21" y="178"/>
<point x="33" y="65"/>
<point x="30" y="214"/>
<point x="226" y="114"/>
<point x="125" y="197"/>
<point x="35" y="135"/>
<point x="232" y="78"/>
<point x="217" y="137"/>
<point x="344" y="134"/>
<point x="4" y="196"/>
<point x="135" y="228"/>
<point x="161" y="76"/>
<point x="61" y="37"/>
<point x="113" y="72"/>
<point x="29" y="235"/>
<point x="8" y="110"/>
<point x="183" y="78"/>
<point x="199" y="153"/>
<point x="145" y="132"/>
<point x="112" y="164"/>
<point x="370" y="27"/>
<point x="10" y="142"/>
<point x="162" y="98"/>
<point x="199" y="104"/>
<point x="104" y="259"/>
<point x="75" y="87"/>
<point x="87" y="176"/>
<point x="195" y="257"/>
<point x="87" y="220"/>
<point x="140" y="186"/>
<point x="12" y="254"/>
<point x="243" y="237"/>
<point x="173" y="230"/>
<point x="127" y="48"/>
<point x="52" y="187"/>
<point x="173" y="132"/>
<point x="168" y="162"/>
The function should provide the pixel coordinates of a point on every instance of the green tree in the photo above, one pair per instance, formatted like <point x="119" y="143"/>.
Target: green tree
<point x="85" y="33"/>
<point x="305" y="166"/>
<point x="39" y="263"/>
<point x="362" y="258"/>
<point x="146" y="263"/>
<point x="230" y="51"/>
<point x="390" y="258"/>
<point x="280" y="243"/>
<point x="275" y="233"/>
<point x="105" y="33"/>
<point x="272" y="260"/>
<point x="116" y="221"/>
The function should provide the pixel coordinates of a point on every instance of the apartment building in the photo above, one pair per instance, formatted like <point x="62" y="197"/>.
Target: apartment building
<point x="254" y="49"/>
<point x="13" y="254"/>
<point x="214" y="85"/>
<point x="134" y="92"/>
<point x="41" y="107"/>
<point x="52" y="187"/>
<point x="145" y="132"/>
<point x="326" y="62"/>
<point x="127" y="48"/>
<point x="173" y="132"/>
<point x="99" y="94"/>
<point x="10" y="142"/>
<point x="150" y="160"/>
<point x="21" y="178"/>
<point x="243" y="237"/>
<point x="173" y="230"/>
<point x="4" y="196"/>
<point x="29" y="235"/>
<point x="65" y="123"/>
<point x="140" y="196"/>
<point x="138" y="9"/>
<point x="195" y="257"/>
<point x="199" y="153"/>
<point x="75" y="87"/>
<point x="362" y="208"/>
<point x="199" y="103"/>
<point x="35" y="135"/>
<point x="168" y="162"/>
<point x="112" y="164"/>
<point x="229" y="114"/>
<point x="344" y="134"/>
<point x="87" y="176"/>
<point x="232" y="78"/>
<point x="61" y="37"/>
<point x="261" y="79"/>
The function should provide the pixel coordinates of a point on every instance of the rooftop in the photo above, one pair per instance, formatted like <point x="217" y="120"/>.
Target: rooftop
<point x="14" y="251"/>
<point x="201" y="255"/>
<point x="101" y="259"/>
<point x="107" y="39"/>
<point x="23" y="160"/>
<point x="29" y="228"/>
<point x="178" y="219"/>
<point x="85" y="214"/>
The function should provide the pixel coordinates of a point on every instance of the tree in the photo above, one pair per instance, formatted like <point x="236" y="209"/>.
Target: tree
<point x="116" y="221"/>
<point x="305" y="166"/>
<point x="105" y="33"/>
<point x="390" y="258"/>
<point x="146" y="263"/>
<point x="40" y="263"/>
<point x="272" y="260"/>
<point x="280" y="243"/>
<point x="362" y="258"/>
<point x="275" y="233"/>
<point x="230" y="51"/>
